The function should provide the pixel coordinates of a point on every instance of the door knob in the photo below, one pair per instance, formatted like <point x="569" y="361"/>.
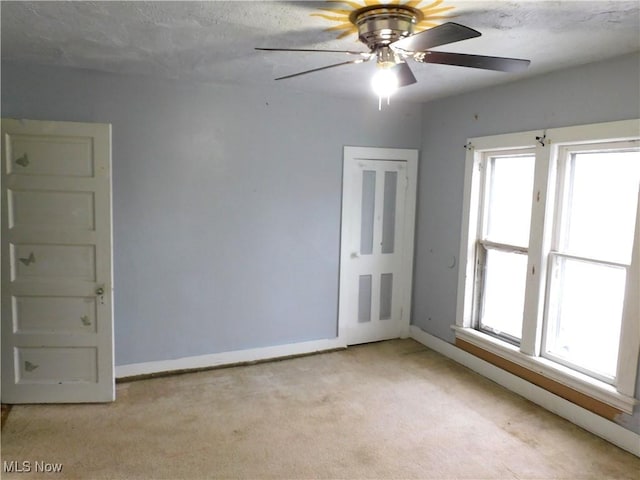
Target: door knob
<point x="99" y="291"/>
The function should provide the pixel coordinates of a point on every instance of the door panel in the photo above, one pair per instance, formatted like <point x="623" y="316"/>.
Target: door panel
<point x="42" y="365"/>
<point x="50" y="155"/>
<point x="377" y="243"/>
<point x="72" y="210"/>
<point x="57" y="325"/>
<point x="53" y="315"/>
<point x="64" y="262"/>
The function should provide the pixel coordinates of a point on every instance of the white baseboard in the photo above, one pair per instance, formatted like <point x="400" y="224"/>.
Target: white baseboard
<point x="610" y="431"/>
<point x="227" y="358"/>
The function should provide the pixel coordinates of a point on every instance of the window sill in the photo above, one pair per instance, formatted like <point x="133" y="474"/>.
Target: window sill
<point x="541" y="368"/>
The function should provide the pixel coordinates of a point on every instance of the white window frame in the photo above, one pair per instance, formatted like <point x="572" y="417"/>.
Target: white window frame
<point x="482" y="243"/>
<point x="547" y="145"/>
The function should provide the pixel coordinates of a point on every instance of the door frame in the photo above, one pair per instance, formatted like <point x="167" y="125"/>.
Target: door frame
<point x="348" y="221"/>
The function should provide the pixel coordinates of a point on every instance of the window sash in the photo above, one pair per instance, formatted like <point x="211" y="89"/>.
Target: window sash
<point x="587" y="259"/>
<point x="483" y="247"/>
<point x="487" y="167"/>
<point x="548" y="323"/>
<point x="565" y="159"/>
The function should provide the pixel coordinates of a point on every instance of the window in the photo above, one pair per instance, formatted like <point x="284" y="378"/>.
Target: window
<point x="591" y="255"/>
<point x="503" y="241"/>
<point x="550" y="249"/>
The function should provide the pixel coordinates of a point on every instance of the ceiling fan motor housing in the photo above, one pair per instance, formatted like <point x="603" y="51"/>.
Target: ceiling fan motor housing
<point x="381" y="25"/>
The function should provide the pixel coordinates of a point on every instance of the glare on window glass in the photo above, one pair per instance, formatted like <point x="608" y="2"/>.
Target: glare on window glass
<point x="600" y="207"/>
<point x="586" y="313"/>
<point x="503" y="295"/>
<point x="510" y="184"/>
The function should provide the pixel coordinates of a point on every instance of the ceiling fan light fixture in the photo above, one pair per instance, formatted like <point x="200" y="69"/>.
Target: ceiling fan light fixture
<point x="386" y="58"/>
<point x="384" y="84"/>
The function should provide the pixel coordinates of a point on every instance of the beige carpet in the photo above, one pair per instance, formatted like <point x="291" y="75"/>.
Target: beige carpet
<point x="387" y="410"/>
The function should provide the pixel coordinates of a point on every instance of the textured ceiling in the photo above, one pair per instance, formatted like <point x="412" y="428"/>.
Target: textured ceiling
<point x="214" y="41"/>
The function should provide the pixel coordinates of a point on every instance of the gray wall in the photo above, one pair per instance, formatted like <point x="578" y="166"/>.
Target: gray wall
<point x="592" y="93"/>
<point x="226" y="203"/>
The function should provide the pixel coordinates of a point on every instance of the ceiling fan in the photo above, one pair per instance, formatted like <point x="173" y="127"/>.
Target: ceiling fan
<point x="388" y="31"/>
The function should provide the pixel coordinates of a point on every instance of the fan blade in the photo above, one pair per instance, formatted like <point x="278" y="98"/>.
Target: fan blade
<point x="348" y="52"/>
<point x="403" y="74"/>
<point x="360" y="60"/>
<point x="441" y="35"/>
<point x="501" y="64"/>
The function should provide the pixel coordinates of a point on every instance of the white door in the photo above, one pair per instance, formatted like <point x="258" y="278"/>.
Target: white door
<point x="376" y="251"/>
<point x="57" y="325"/>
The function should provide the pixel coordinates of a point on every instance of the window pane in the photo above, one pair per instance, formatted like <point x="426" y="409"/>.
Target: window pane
<point x="585" y="314"/>
<point x="600" y="209"/>
<point x="503" y="292"/>
<point x="510" y="185"/>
